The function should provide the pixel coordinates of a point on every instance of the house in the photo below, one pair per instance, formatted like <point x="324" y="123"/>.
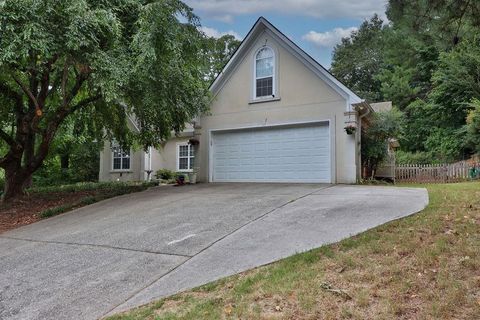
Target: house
<point x="277" y="116"/>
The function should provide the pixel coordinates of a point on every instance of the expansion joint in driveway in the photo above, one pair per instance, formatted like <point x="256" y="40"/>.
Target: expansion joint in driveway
<point x="97" y="246"/>
<point x="213" y="243"/>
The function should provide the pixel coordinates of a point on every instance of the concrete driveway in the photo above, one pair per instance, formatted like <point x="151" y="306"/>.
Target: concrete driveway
<point x="127" y="251"/>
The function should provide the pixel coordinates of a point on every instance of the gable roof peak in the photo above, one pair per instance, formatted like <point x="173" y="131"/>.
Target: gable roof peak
<point x="263" y="24"/>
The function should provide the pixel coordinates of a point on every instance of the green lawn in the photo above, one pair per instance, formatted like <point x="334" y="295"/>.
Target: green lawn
<point x="426" y="266"/>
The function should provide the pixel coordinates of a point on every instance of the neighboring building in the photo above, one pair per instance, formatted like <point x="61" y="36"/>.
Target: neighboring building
<point x="277" y="116"/>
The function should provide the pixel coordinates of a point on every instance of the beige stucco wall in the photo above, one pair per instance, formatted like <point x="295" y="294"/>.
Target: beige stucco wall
<point x="162" y="158"/>
<point x="106" y="167"/>
<point x="301" y="97"/>
<point x="166" y="156"/>
<point x="304" y="97"/>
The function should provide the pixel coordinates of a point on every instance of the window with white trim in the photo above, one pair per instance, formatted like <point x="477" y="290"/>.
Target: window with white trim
<point x="264" y="73"/>
<point x="185" y="157"/>
<point x="120" y="158"/>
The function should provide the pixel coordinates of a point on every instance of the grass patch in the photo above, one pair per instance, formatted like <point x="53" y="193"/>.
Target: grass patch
<point x="50" y="212"/>
<point x="103" y="190"/>
<point x="93" y="186"/>
<point x="426" y="266"/>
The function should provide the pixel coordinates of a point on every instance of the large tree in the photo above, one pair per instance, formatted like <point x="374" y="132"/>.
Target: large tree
<point x="358" y="59"/>
<point x="105" y="58"/>
<point x="217" y="52"/>
<point x="426" y="60"/>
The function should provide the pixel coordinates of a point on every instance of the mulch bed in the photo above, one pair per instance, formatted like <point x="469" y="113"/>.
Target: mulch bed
<point x="27" y="209"/>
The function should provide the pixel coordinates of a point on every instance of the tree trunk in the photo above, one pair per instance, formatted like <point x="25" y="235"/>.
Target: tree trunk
<point x="28" y="156"/>
<point x="16" y="180"/>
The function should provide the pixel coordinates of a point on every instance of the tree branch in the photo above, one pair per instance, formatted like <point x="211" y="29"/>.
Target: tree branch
<point x="49" y="133"/>
<point x="76" y="87"/>
<point x="26" y="91"/>
<point x="83" y="103"/>
<point x="45" y="82"/>
<point x="7" y="138"/>
<point x="14" y="95"/>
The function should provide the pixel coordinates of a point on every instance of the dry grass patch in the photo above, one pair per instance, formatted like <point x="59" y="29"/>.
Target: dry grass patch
<point x="426" y="266"/>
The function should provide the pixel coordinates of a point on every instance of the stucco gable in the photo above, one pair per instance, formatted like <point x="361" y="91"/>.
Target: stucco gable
<point x="263" y="25"/>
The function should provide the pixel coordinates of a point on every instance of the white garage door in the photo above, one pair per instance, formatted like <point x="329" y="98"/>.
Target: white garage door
<point x="280" y="154"/>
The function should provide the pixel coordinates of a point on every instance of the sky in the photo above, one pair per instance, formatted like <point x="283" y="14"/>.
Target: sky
<point x="315" y="25"/>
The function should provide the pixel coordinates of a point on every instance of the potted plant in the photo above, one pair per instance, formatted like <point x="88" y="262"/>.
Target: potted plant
<point x="194" y="142"/>
<point x="180" y="179"/>
<point x="192" y="177"/>
<point x="350" y="129"/>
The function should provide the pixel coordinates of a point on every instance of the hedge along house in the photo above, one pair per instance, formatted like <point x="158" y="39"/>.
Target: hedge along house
<point x="276" y="116"/>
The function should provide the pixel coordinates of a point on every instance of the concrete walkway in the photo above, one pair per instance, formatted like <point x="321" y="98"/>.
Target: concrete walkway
<point x="127" y="251"/>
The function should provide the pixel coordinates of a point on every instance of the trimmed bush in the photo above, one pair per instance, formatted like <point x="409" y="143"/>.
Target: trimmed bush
<point x="94" y="186"/>
<point x="403" y="157"/>
<point x="54" y="211"/>
<point x="165" y="174"/>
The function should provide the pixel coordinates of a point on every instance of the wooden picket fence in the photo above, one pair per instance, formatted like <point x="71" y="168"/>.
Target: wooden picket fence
<point x="435" y="173"/>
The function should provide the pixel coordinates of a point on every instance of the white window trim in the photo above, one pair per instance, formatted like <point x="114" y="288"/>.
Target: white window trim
<point x="121" y="161"/>
<point x="274" y="76"/>
<point x="189" y="157"/>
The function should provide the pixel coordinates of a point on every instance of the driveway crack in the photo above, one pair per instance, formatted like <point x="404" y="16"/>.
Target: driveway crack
<point x="213" y="243"/>
<point x="97" y="246"/>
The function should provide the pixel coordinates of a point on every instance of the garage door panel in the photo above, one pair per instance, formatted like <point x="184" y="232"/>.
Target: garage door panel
<point x="299" y="154"/>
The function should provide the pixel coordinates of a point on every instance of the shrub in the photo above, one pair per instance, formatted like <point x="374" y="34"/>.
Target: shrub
<point x="54" y="211"/>
<point x="90" y="200"/>
<point x="383" y="125"/>
<point x="165" y="174"/>
<point x="95" y="186"/>
<point x="404" y="157"/>
<point x="105" y="190"/>
<point x="473" y="126"/>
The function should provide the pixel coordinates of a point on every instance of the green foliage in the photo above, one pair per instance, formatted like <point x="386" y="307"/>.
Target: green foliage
<point x="83" y="166"/>
<point x="50" y="212"/>
<point x="216" y="53"/>
<point x="96" y="63"/>
<point x="91" y="186"/>
<point x="383" y="125"/>
<point x="456" y="82"/>
<point x="418" y="126"/>
<point x="445" y="22"/>
<point x="397" y="85"/>
<point x="166" y="88"/>
<point x="358" y="59"/>
<point x="178" y="175"/>
<point x="427" y="64"/>
<point x="446" y="144"/>
<point x="408" y="66"/>
<point x="102" y="191"/>
<point x="165" y="174"/>
<point x="473" y="126"/>
<point x="403" y="157"/>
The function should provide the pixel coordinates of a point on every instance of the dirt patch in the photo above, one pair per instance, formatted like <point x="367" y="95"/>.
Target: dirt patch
<point x="26" y="210"/>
